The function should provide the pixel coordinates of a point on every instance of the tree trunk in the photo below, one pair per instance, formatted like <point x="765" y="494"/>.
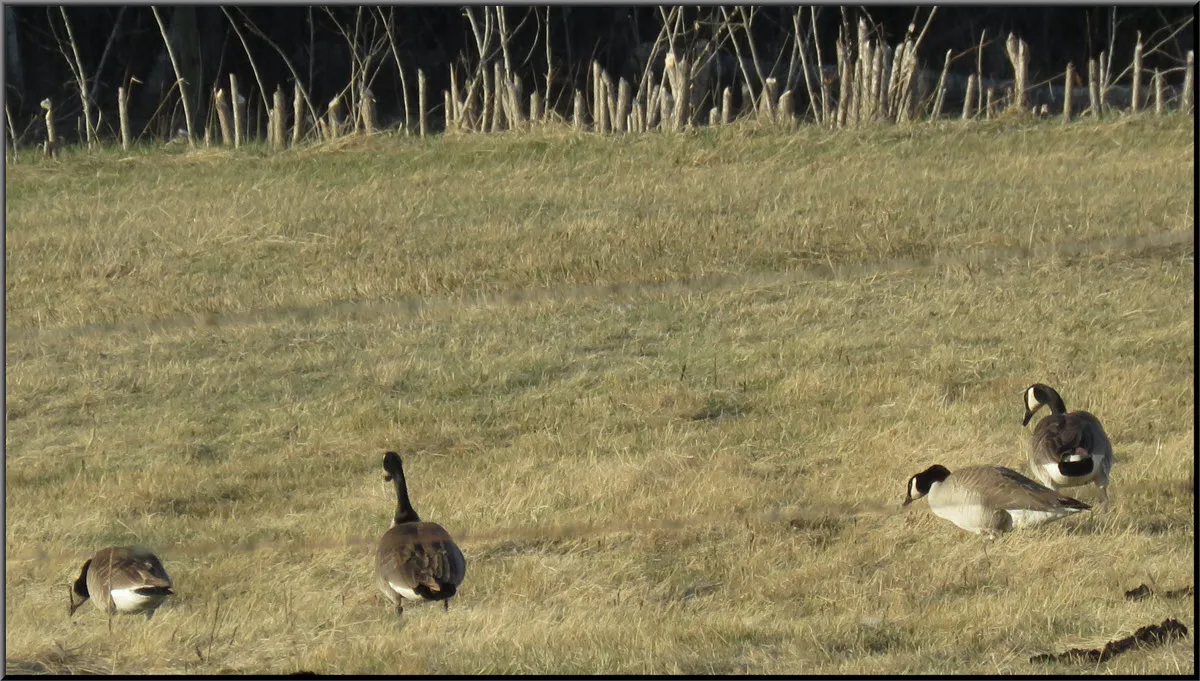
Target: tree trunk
<point x="12" y="56"/>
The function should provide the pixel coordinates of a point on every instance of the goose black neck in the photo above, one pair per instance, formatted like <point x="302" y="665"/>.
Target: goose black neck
<point x="80" y="586"/>
<point x="405" y="513"/>
<point x="1055" y="402"/>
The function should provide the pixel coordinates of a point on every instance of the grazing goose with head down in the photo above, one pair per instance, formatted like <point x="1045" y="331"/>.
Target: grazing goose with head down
<point x="1068" y="449"/>
<point x="989" y="500"/>
<point x="122" y="579"/>
<point x="415" y="560"/>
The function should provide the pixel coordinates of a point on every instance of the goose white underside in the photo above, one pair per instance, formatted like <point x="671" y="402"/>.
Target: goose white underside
<point x="405" y="592"/>
<point x="969" y="518"/>
<point x="978" y="519"/>
<point x="1052" y="477"/>
<point x="128" y="600"/>
<point x="1025" y="518"/>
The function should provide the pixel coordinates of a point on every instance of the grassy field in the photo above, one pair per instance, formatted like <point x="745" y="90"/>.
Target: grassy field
<point x="668" y="391"/>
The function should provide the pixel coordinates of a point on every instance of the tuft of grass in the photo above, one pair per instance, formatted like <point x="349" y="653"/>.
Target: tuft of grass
<point x="666" y="388"/>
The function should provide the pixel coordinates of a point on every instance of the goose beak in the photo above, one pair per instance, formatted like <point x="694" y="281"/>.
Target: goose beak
<point x="1028" y="415"/>
<point x="907" y="501"/>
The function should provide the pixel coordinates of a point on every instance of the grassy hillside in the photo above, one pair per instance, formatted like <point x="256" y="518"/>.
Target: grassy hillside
<point x="667" y="390"/>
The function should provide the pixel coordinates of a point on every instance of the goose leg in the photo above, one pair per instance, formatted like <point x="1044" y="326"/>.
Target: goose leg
<point x="446" y="605"/>
<point x="989" y="536"/>
<point x="396" y="600"/>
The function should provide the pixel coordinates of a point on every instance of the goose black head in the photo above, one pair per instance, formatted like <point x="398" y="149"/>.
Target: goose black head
<point x="920" y="484"/>
<point x="392" y="466"/>
<point x="1040" y="395"/>
<point x="79" y="590"/>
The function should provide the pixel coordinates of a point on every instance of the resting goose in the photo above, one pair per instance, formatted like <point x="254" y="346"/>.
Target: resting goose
<point x="989" y="500"/>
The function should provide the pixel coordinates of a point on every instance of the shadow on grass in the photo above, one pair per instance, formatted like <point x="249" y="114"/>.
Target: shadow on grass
<point x="718" y="407"/>
<point x="57" y="660"/>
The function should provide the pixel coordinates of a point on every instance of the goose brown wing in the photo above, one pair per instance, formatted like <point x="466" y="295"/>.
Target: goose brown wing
<point x="146" y="568"/>
<point x="1062" y="434"/>
<point x="1014" y="491"/>
<point x="412" y="554"/>
<point x="121" y="567"/>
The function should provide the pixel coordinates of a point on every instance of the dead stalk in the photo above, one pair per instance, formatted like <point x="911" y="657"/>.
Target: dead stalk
<point x="1136" y="89"/>
<point x="1189" y="82"/>
<point x="333" y="114"/>
<point x="391" y="38"/>
<point x="421" y="104"/>
<point x="238" y="102"/>
<point x="1068" y="88"/>
<point x="979" y="69"/>
<point x="278" y="120"/>
<point x="623" y="99"/>
<point x="1094" y="87"/>
<point x="297" y="113"/>
<point x="221" y="104"/>
<point x="844" y="78"/>
<point x="1159" y="108"/>
<point x="801" y="47"/>
<point x="262" y="90"/>
<point x="51" y="136"/>
<point x="1017" y="51"/>
<point x="187" y="108"/>
<point x="577" y="112"/>
<point x="81" y="81"/>
<point x="941" y="88"/>
<point x="366" y="107"/>
<point x="969" y="99"/>
<point x="312" y="110"/>
<point x="482" y="77"/>
<point x="122" y="115"/>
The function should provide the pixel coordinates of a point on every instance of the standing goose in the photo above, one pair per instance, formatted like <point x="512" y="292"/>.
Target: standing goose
<point x="989" y="500"/>
<point x="415" y="560"/>
<point x="1069" y="449"/>
<point x="122" y="579"/>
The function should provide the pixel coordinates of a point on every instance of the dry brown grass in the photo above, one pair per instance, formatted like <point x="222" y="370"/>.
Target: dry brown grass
<point x="739" y="445"/>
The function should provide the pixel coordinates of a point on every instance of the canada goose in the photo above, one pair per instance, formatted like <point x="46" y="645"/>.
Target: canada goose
<point x="1068" y="449"/>
<point x="415" y="560"/>
<point x="122" y="579"/>
<point x="989" y="500"/>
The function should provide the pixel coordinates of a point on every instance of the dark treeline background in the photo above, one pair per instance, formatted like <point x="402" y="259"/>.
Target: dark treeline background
<point x="123" y="46"/>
